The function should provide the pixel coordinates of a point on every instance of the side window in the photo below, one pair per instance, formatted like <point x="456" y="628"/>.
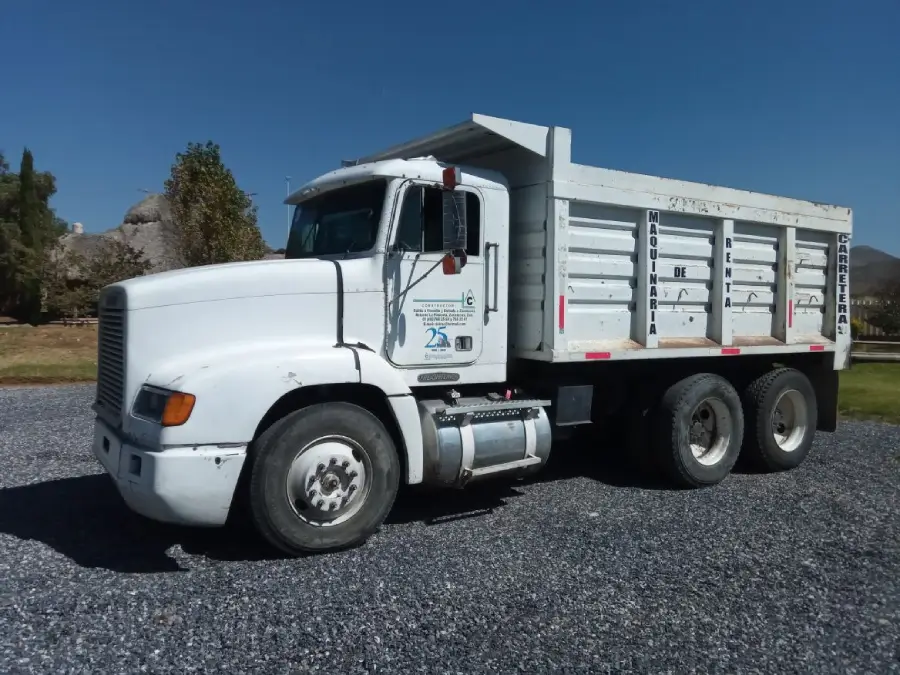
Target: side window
<point x="420" y="226"/>
<point x="433" y="220"/>
<point x="409" y="229"/>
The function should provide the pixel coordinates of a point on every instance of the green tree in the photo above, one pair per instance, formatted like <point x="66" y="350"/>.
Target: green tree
<point x="33" y="238"/>
<point x="10" y="245"/>
<point x="65" y="292"/>
<point x="73" y="281"/>
<point x="28" y="226"/>
<point x="887" y="315"/>
<point x="215" y="220"/>
<point x="9" y="190"/>
<point x="114" y="260"/>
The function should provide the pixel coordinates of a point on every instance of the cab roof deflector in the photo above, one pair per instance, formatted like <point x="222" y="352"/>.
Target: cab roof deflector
<point x="481" y="135"/>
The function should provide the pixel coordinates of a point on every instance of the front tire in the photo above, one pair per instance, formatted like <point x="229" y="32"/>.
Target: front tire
<point x="781" y="412"/>
<point x="698" y="430"/>
<point x="324" y="478"/>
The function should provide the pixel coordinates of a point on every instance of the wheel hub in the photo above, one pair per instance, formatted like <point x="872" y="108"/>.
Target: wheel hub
<point x="789" y="420"/>
<point x="327" y="480"/>
<point x="330" y="483"/>
<point x="710" y="431"/>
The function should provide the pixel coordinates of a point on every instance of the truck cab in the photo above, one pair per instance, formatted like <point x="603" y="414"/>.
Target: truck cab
<point x="449" y="307"/>
<point x="439" y="308"/>
<point x="372" y="301"/>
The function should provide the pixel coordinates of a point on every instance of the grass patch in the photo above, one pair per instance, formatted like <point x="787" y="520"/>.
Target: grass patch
<point x="870" y="391"/>
<point x="48" y="354"/>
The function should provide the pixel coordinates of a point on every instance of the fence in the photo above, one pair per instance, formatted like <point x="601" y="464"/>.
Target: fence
<point x="872" y="343"/>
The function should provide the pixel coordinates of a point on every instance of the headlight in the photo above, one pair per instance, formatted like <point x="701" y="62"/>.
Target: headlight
<point x="168" y="408"/>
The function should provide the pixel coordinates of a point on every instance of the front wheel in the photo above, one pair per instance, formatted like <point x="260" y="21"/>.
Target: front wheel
<point x="323" y="478"/>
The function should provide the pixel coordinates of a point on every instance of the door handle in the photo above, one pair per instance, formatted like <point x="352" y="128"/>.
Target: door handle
<point x="495" y="259"/>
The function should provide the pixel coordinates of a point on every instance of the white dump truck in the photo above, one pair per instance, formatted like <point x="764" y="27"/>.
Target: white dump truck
<point x="450" y="307"/>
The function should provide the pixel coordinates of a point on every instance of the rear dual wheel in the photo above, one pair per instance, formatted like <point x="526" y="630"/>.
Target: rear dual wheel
<point x="702" y="425"/>
<point x="781" y="412"/>
<point x="698" y="430"/>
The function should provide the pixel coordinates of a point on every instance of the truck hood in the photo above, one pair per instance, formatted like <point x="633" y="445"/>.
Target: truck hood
<point x="230" y="281"/>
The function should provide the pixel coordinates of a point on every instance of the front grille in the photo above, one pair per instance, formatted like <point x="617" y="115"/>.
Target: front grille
<point x="111" y="352"/>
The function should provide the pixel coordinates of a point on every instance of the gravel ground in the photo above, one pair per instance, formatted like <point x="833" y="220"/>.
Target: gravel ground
<point x="583" y="571"/>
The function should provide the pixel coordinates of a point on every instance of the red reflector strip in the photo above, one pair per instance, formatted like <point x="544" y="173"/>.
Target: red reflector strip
<point x="593" y="356"/>
<point x="790" y="313"/>
<point x="562" y="312"/>
<point x="817" y="348"/>
<point x="730" y="351"/>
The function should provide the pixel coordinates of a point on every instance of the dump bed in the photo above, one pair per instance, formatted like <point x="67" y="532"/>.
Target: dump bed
<point x="613" y="265"/>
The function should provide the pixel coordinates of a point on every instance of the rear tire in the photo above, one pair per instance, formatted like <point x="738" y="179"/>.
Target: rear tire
<point x="323" y="479"/>
<point x="781" y="412"/>
<point x="698" y="430"/>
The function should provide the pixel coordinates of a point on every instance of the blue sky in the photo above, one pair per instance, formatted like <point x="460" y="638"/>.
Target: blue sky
<point x="795" y="97"/>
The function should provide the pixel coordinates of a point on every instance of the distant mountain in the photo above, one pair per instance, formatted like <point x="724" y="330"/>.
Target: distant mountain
<point x="870" y="268"/>
<point x="866" y="255"/>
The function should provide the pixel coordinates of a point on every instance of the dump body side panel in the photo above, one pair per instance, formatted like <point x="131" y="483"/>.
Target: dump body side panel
<point x="625" y="282"/>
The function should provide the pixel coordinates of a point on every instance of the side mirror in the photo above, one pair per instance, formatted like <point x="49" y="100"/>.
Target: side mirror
<point x="454" y="220"/>
<point x="454" y="231"/>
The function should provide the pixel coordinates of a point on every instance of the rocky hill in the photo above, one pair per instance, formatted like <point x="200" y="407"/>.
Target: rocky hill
<point x="147" y="227"/>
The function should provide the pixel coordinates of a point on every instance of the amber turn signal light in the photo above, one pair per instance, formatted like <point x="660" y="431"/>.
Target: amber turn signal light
<point x="178" y="409"/>
<point x="453" y="263"/>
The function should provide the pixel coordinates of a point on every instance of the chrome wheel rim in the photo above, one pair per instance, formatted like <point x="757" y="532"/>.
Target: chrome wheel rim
<point x="790" y="419"/>
<point x="329" y="481"/>
<point x="710" y="431"/>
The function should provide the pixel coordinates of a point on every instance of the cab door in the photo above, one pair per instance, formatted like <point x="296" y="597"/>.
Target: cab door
<point x="433" y="319"/>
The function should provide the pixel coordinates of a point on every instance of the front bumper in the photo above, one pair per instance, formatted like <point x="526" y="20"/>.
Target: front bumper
<point x="192" y="485"/>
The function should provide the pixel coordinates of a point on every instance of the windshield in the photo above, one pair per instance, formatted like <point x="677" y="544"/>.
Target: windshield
<point x="337" y="222"/>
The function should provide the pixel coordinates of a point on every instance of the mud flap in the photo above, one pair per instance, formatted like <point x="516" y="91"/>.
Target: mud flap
<point x="825" y="382"/>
